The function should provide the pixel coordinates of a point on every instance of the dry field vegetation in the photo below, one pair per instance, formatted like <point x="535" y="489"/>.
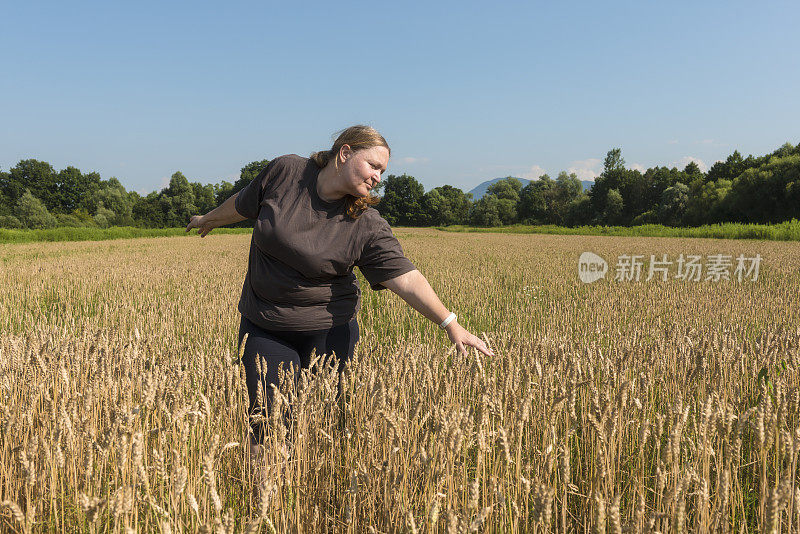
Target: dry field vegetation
<point x="611" y="407"/>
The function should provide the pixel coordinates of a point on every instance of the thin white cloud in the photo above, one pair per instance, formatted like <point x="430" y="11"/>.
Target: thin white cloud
<point x="672" y="142"/>
<point x="684" y="161"/>
<point x="533" y="173"/>
<point x="586" y="169"/>
<point x="637" y="167"/>
<point x="411" y="159"/>
<point x="507" y="169"/>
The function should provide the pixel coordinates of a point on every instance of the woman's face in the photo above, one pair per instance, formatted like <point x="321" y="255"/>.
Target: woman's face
<point x="362" y="169"/>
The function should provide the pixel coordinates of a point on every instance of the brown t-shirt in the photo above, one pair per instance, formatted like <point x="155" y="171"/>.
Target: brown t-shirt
<point x="303" y="250"/>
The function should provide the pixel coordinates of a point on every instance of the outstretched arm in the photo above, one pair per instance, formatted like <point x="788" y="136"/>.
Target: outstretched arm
<point x="223" y="214"/>
<point x="414" y="288"/>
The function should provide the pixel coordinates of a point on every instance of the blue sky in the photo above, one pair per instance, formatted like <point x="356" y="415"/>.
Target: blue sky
<point x="462" y="91"/>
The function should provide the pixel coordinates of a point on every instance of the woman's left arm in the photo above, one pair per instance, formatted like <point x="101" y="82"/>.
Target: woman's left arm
<point x="414" y="288"/>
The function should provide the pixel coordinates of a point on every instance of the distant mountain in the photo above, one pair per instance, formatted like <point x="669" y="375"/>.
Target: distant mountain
<point x="480" y="190"/>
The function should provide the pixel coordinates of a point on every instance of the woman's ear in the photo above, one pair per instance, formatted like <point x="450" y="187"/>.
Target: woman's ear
<point x="345" y="152"/>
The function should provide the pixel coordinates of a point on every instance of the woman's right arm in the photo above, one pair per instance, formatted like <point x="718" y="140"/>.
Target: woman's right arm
<point x="223" y="214"/>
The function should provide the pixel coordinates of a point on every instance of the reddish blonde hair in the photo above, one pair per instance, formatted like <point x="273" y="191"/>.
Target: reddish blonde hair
<point x="357" y="137"/>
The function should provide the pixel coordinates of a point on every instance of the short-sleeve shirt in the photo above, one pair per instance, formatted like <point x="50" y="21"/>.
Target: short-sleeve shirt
<point x="303" y="250"/>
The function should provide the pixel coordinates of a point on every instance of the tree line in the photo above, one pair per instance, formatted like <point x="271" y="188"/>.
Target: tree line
<point x="763" y="189"/>
<point x="34" y="195"/>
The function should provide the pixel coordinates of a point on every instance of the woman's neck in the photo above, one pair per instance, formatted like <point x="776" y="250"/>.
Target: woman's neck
<point x="327" y="184"/>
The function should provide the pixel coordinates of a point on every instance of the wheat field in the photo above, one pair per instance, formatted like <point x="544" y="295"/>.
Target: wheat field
<point x="659" y="406"/>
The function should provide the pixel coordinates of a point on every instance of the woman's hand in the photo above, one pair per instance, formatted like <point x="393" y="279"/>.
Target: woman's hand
<point x="223" y="214"/>
<point x="418" y="293"/>
<point x="202" y="225"/>
<point x="459" y="335"/>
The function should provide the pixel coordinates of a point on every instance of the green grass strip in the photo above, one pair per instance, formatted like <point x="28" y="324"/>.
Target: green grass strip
<point x="786" y="231"/>
<point x="101" y="234"/>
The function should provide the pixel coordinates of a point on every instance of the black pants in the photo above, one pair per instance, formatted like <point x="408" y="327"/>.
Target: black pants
<point x="289" y="348"/>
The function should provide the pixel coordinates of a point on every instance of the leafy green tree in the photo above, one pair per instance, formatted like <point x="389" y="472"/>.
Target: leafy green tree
<point x="32" y="212"/>
<point x="506" y="191"/>
<point x="598" y="194"/>
<point x="786" y="150"/>
<point x="613" y="160"/>
<point x="148" y="211"/>
<point x="613" y="208"/>
<point x="486" y="212"/>
<point x="222" y="191"/>
<point x="435" y="208"/>
<point x="567" y="189"/>
<point x="568" y="186"/>
<point x="768" y="193"/>
<point x="88" y="200"/>
<point x="78" y="218"/>
<point x="545" y="201"/>
<point x="507" y="210"/>
<point x="69" y="182"/>
<point x="692" y="169"/>
<point x="534" y="201"/>
<point x="112" y="197"/>
<point x="401" y="203"/>
<point x="636" y="190"/>
<point x="444" y="206"/>
<point x="658" y="179"/>
<point x="507" y="188"/>
<point x="104" y="216"/>
<point x="729" y="169"/>
<point x="204" y="197"/>
<point x="609" y="179"/>
<point x="579" y="211"/>
<point x="74" y="186"/>
<point x="707" y="202"/>
<point x="5" y="202"/>
<point x="35" y="176"/>
<point x="674" y="203"/>
<point x="639" y="192"/>
<point x="457" y="202"/>
<point x="9" y="221"/>
<point x="178" y="201"/>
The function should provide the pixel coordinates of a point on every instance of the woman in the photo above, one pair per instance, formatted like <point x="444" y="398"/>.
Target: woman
<point x="313" y="224"/>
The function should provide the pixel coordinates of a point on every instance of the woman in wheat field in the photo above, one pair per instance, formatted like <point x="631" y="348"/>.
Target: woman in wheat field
<point x="314" y="223"/>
